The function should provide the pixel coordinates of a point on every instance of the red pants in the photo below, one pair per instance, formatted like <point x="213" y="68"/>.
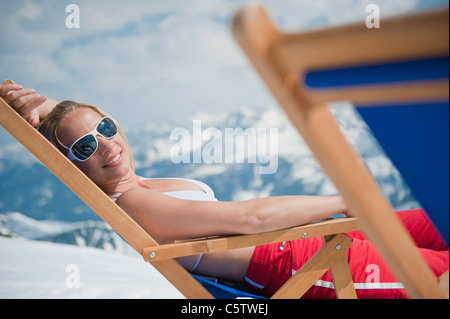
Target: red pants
<point x="272" y="266"/>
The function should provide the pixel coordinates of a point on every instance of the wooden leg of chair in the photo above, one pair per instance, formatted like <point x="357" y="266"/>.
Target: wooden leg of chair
<point x="314" y="268"/>
<point x="342" y="279"/>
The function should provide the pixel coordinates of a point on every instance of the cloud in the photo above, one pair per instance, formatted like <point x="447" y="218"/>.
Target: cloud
<point x="153" y="60"/>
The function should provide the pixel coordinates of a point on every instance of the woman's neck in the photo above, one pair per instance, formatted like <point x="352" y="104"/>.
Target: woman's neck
<point x="121" y="186"/>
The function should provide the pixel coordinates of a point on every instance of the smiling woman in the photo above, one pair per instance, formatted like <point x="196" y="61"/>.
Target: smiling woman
<point x="80" y="131"/>
<point x="107" y="128"/>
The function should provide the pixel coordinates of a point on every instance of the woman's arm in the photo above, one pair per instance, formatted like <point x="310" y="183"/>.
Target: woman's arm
<point x="280" y="212"/>
<point x="31" y="106"/>
<point x="166" y="217"/>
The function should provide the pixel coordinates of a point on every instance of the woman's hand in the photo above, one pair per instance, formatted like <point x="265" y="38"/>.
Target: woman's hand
<point x="24" y="101"/>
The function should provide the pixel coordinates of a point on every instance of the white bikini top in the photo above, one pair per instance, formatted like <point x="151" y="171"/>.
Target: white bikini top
<point x="206" y="195"/>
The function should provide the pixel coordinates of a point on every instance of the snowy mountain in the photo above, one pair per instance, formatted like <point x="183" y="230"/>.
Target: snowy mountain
<point x="94" y="234"/>
<point x="26" y="186"/>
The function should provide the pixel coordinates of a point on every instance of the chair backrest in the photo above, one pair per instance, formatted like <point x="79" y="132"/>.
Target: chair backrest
<point x="306" y="71"/>
<point x="416" y="138"/>
<point x="414" y="132"/>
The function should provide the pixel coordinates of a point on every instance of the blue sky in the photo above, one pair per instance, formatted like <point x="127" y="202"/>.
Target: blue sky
<point x="151" y="61"/>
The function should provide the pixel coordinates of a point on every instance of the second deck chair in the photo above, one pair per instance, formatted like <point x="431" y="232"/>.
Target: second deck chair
<point x="330" y="257"/>
<point x="404" y="62"/>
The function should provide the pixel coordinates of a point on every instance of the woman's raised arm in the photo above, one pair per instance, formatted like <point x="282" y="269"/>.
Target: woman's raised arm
<point x="31" y="106"/>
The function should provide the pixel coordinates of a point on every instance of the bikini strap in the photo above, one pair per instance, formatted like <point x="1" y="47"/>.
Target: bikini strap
<point x="196" y="263"/>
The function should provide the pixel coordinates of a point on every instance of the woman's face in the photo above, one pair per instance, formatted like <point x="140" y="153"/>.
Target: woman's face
<point x="111" y="162"/>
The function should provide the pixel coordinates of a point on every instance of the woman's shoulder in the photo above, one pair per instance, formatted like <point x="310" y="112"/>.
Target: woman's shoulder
<point x="134" y="197"/>
<point x="181" y="184"/>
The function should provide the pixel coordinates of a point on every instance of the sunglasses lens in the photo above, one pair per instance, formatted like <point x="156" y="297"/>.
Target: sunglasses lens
<point x="107" y="128"/>
<point x="85" y="147"/>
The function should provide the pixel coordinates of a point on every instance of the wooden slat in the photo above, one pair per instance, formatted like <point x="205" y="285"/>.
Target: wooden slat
<point x="342" y="279"/>
<point x="403" y="38"/>
<point x="314" y="268"/>
<point x="220" y="244"/>
<point x="411" y="93"/>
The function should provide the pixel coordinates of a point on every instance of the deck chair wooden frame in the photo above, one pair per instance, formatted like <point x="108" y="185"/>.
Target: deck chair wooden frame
<point x="330" y="256"/>
<point x="282" y="59"/>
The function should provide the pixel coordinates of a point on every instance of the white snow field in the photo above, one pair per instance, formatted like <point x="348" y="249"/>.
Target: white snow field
<point x="42" y="270"/>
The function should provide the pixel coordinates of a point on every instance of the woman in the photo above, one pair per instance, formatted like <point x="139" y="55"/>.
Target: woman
<point x="172" y="209"/>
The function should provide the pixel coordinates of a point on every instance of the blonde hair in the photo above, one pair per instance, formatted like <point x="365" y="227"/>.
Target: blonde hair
<point x="50" y="125"/>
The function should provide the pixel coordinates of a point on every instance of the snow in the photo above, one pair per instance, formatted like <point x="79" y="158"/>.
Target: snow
<point x="28" y="227"/>
<point x="43" y="270"/>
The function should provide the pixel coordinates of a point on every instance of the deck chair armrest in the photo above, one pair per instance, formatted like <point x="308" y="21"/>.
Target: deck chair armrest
<point x="223" y="243"/>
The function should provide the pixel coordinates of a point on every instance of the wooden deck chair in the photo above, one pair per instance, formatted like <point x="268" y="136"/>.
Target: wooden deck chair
<point x="405" y="61"/>
<point x="330" y="256"/>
